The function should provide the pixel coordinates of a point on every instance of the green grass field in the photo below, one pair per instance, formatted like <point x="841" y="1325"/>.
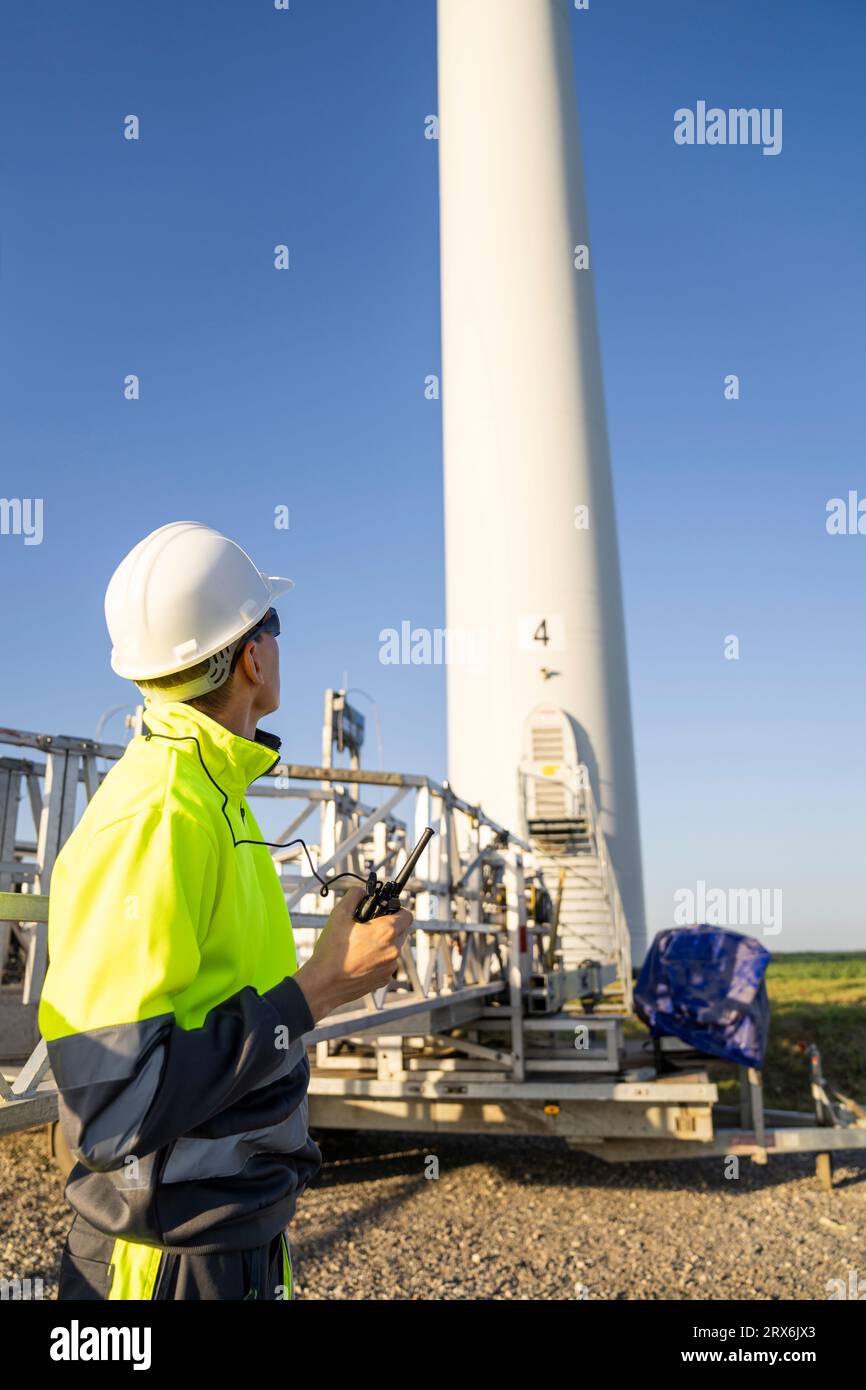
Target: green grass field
<point x="815" y="997"/>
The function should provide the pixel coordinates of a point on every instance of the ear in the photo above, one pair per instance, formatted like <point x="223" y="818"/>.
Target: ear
<point x="252" y="664"/>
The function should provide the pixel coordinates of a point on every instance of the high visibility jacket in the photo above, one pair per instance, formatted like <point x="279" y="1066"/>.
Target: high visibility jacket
<point x="173" y="1024"/>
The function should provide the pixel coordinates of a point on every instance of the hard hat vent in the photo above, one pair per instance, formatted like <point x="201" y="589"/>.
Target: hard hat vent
<point x="187" y="651"/>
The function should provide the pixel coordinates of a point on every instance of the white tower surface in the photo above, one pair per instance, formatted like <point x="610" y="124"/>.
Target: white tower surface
<point x="534" y="599"/>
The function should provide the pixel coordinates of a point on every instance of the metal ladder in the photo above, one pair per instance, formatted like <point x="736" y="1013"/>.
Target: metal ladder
<point x="561" y="822"/>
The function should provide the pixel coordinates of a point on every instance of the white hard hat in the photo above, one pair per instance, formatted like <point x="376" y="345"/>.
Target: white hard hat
<point x="182" y="594"/>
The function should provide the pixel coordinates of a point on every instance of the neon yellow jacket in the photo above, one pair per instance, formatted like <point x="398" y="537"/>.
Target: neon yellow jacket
<point x="174" y="1028"/>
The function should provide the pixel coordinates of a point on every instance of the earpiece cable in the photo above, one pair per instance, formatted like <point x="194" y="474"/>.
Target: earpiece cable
<point x="270" y="844"/>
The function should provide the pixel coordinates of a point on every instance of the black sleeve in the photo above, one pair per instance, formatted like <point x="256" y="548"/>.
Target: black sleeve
<point x="132" y="1088"/>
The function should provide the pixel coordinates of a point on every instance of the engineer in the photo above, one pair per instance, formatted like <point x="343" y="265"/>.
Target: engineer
<point x="173" y="1008"/>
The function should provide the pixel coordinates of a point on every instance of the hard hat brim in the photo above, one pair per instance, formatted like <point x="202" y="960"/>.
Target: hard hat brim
<point x="276" y="585"/>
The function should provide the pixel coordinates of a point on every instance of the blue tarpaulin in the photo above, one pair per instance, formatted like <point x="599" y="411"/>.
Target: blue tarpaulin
<point x="706" y="986"/>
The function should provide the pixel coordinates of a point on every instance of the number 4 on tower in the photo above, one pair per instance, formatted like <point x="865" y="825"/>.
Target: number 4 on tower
<point x="541" y="632"/>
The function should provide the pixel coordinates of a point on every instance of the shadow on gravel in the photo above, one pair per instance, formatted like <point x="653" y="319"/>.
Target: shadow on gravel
<point x="351" y="1157"/>
<point x="371" y="1214"/>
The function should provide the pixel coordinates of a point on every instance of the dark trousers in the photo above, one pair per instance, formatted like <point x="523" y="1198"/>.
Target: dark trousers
<point x="96" y="1266"/>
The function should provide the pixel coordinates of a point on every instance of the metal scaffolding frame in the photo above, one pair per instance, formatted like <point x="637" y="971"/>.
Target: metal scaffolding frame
<point x="468" y="959"/>
<point x="479" y="1027"/>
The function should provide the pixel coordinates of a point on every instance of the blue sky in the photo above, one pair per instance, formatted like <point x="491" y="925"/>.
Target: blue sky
<point x="306" y="388"/>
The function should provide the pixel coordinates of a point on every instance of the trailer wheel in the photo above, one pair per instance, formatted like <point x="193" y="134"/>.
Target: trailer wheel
<point x="824" y="1171"/>
<point x="59" y="1150"/>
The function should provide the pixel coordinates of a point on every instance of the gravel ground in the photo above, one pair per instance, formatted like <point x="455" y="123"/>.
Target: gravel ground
<point x="517" y="1218"/>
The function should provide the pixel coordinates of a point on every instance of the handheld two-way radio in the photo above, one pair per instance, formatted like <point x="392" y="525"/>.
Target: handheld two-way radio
<point x="382" y="898"/>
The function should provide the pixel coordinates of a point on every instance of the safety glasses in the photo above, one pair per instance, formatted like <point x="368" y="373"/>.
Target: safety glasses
<point x="269" y="623"/>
